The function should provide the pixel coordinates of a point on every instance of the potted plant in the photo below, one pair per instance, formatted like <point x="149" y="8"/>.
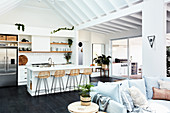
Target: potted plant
<point x="70" y="42"/>
<point x="98" y="60"/>
<point x="105" y="61"/>
<point x="67" y="56"/>
<point x="85" y="94"/>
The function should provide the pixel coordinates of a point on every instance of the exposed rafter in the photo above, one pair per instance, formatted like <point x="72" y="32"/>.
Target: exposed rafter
<point x="108" y="28"/>
<point x="10" y="5"/>
<point x="92" y="30"/>
<point x="57" y="11"/>
<point x="127" y="11"/>
<point x="113" y="4"/>
<point x="128" y="2"/>
<point x="111" y="24"/>
<point x="101" y="6"/>
<point x="137" y="15"/>
<point x="124" y="24"/>
<point x="101" y="30"/>
<point x="132" y="20"/>
<point x="65" y="12"/>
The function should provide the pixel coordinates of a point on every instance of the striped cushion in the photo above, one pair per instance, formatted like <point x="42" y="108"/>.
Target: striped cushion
<point x="127" y="100"/>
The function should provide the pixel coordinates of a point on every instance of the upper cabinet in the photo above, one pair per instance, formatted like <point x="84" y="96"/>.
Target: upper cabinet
<point x="40" y="43"/>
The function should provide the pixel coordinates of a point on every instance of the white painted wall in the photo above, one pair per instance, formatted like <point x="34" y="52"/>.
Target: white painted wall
<point x="154" y="59"/>
<point x="88" y="38"/>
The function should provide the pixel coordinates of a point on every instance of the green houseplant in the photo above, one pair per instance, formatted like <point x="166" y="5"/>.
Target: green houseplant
<point x="70" y="42"/>
<point x="105" y="61"/>
<point x="85" y="94"/>
<point x="98" y="60"/>
<point x="67" y="56"/>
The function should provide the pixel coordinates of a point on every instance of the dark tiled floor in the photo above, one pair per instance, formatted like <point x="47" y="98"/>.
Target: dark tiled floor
<point x="17" y="100"/>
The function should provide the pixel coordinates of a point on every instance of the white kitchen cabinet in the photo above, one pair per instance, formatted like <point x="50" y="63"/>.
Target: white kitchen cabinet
<point x="22" y="75"/>
<point x="40" y="43"/>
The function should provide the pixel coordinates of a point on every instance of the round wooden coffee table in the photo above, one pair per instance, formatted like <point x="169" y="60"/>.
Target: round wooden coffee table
<point x="76" y="107"/>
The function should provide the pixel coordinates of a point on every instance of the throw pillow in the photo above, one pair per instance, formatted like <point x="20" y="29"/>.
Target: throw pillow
<point x="166" y="79"/>
<point x="151" y="82"/>
<point x="110" y="89"/>
<point x="161" y="94"/>
<point x="138" y="97"/>
<point x="127" y="100"/>
<point x="164" y="84"/>
<point x="140" y="84"/>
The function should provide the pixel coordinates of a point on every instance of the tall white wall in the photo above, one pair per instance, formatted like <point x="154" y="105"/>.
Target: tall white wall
<point x="154" y="23"/>
<point x="88" y="38"/>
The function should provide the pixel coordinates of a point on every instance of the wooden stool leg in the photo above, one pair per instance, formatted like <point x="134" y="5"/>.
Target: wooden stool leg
<point x="59" y="83"/>
<point x="80" y="79"/>
<point x="89" y="78"/>
<point x="52" y="84"/>
<point x="76" y="81"/>
<point x="70" y="82"/>
<point x="55" y="83"/>
<point x="62" y="82"/>
<point x="67" y="82"/>
<point x="45" y="86"/>
<point x="37" y="86"/>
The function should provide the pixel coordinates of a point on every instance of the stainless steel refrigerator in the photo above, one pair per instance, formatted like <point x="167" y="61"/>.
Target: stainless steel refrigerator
<point x="8" y="66"/>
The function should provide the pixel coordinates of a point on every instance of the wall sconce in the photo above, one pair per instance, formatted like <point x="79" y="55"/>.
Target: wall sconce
<point x="151" y="40"/>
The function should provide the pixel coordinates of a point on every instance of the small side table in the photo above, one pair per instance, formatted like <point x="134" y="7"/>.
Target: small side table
<point x="76" y="107"/>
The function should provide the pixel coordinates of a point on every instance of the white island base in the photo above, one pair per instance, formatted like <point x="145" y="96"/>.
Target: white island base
<point x="32" y="72"/>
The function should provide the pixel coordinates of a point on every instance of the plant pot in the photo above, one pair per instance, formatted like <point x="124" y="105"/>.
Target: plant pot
<point x="104" y="66"/>
<point x="99" y="64"/>
<point x="85" y="101"/>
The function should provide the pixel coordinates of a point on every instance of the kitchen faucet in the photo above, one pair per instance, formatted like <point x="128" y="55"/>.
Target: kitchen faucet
<point x="50" y="61"/>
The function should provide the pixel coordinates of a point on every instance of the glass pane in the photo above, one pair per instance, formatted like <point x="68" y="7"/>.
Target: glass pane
<point x="135" y="56"/>
<point x="119" y="58"/>
<point x="98" y="50"/>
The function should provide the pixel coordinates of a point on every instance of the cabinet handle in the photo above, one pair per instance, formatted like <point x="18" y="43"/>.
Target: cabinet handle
<point x="25" y="72"/>
<point x="25" y="78"/>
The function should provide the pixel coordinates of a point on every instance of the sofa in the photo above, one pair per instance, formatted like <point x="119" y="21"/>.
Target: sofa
<point x="144" y="85"/>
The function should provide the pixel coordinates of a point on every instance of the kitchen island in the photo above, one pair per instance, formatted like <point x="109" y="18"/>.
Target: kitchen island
<point x="32" y="72"/>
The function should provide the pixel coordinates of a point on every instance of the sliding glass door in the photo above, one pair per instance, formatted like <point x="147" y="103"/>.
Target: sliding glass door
<point x="127" y="57"/>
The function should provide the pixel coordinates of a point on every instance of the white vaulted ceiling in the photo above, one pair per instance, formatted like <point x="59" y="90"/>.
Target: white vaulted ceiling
<point x="72" y="13"/>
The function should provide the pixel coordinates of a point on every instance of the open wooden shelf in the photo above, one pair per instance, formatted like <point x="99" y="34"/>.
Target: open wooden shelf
<point x="60" y="43"/>
<point x="25" y="42"/>
<point x="45" y="52"/>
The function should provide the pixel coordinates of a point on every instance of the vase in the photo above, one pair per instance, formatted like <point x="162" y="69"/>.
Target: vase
<point x="104" y="66"/>
<point x="99" y="64"/>
<point x="85" y="101"/>
<point x="67" y="61"/>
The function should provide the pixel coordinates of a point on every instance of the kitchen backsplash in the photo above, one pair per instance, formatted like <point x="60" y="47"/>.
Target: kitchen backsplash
<point x="57" y="58"/>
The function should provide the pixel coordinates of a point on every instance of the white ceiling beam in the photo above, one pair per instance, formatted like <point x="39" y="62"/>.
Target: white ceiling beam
<point x="101" y="29"/>
<point x="10" y="5"/>
<point x="91" y="8"/>
<point x="109" y="28"/>
<point x="137" y="15"/>
<point x="131" y="20"/>
<point x="114" y="5"/>
<point x="66" y="12"/>
<point x="58" y="13"/>
<point x="101" y="6"/>
<point x="82" y="9"/>
<point x="92" y="30"/>
<point x="98" y="30"/>
<point x="111" y="24"/>
<point x="77" y="11"/>
<point x="123" y="23"/>
<point x="130" y="10"/>
<point x="128" y="2"/>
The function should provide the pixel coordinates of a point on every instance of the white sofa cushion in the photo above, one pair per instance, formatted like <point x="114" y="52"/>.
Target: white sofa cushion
<point x="138" y="97"/>
<point x="159" y="106"/>
<point x="164" y="84"/>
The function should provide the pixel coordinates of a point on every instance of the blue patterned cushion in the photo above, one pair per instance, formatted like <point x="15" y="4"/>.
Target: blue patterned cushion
<point x="151" y="82"/>
<point x="127" y="100"/>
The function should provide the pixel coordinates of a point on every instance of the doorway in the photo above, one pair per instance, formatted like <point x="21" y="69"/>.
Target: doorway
<point x="127" y="57"/>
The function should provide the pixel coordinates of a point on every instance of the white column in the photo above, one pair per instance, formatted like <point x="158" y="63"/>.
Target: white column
<point x="154" y="23"/>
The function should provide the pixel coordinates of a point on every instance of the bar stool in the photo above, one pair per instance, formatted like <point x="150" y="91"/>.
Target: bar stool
<point x="43" y="75"/>
<point x="58" y="76"/>
<point x="73" y="77"/>
<point x="86" y="72"/>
